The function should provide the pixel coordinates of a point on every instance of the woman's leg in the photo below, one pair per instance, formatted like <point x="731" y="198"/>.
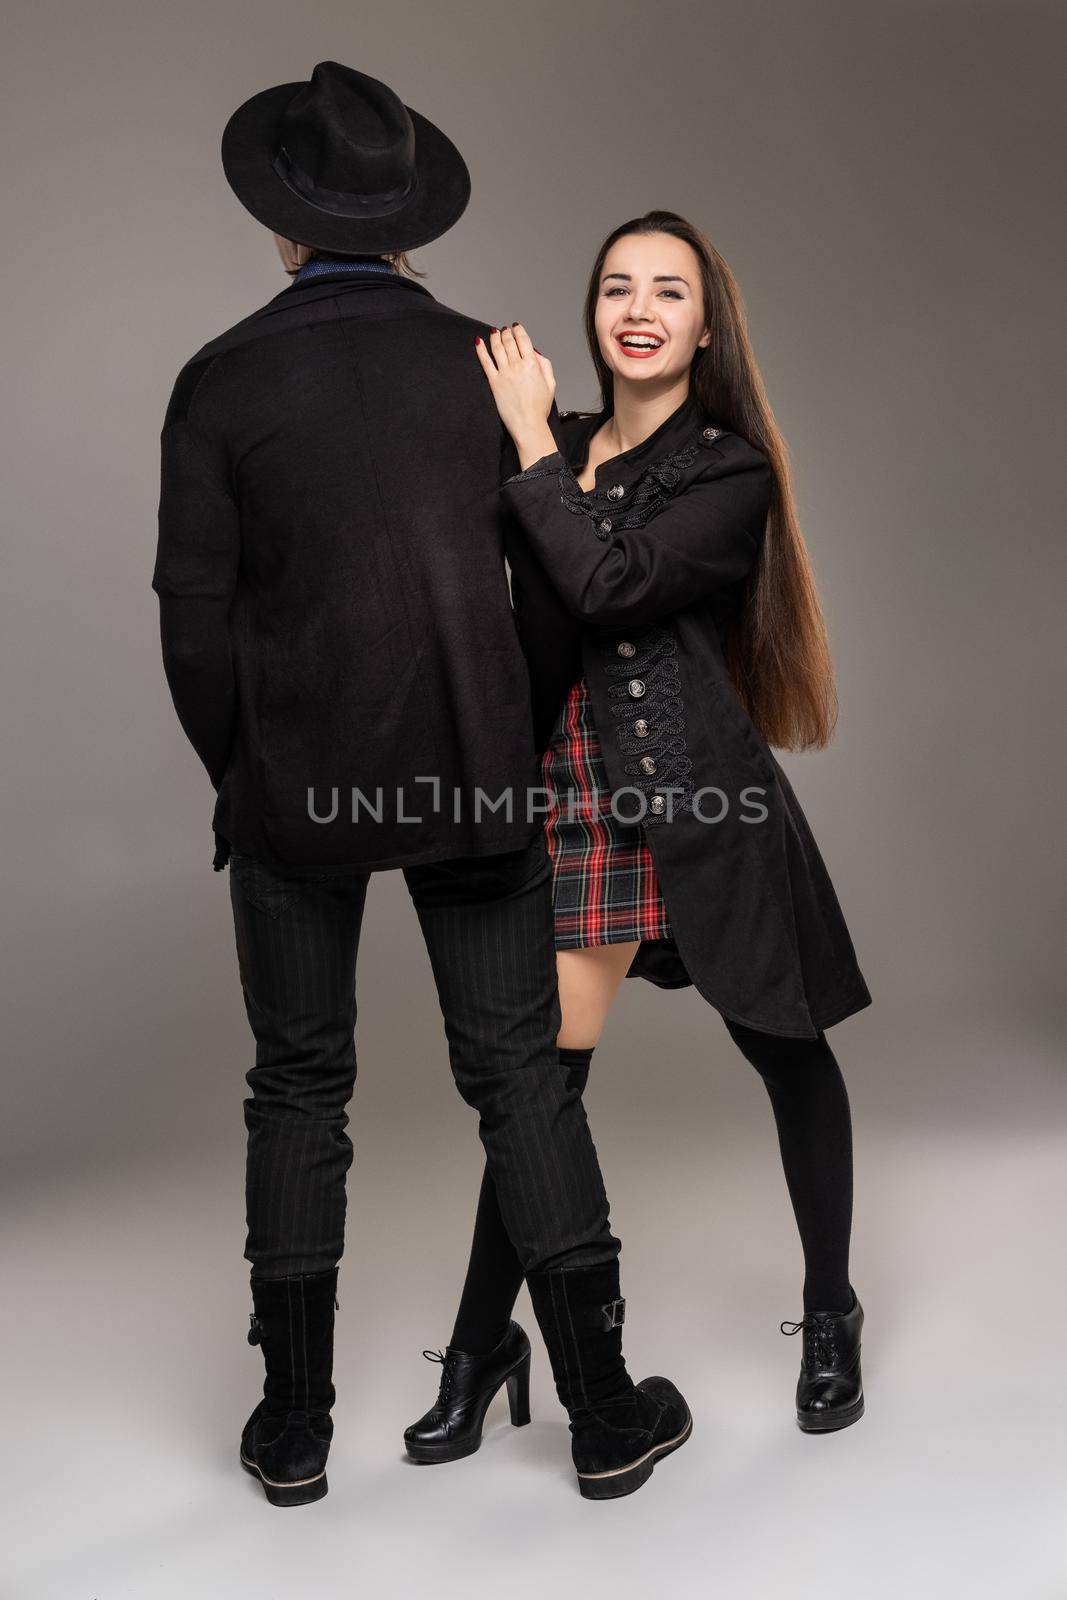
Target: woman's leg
<point x="588" y="982"/>
<point x="814" y="1123"/>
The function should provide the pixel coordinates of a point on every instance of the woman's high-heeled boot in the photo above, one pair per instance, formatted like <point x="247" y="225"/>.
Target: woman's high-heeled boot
<point x="619" y="1429"/>
<point x="286" y="1440"/>
<point x="452" y="1428"/>
<point x="830" y="1386"/>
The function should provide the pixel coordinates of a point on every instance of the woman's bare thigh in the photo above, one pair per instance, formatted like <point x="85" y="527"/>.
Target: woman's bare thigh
<point x="589" y="980"/>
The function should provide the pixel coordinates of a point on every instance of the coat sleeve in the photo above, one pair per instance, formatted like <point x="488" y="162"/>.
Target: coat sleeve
<point x="705" y="537"/>
<point x="197" y="557"/>
<point x="550" y="637"/>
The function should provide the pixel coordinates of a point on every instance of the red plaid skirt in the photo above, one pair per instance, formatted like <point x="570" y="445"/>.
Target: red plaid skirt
<point x="604" y="884"/>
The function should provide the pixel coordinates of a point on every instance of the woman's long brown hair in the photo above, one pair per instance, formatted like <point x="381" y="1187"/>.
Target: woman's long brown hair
<point x="776" y="649"/>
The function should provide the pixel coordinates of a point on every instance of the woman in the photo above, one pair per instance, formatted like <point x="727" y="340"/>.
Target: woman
<point x="666" y="603"/>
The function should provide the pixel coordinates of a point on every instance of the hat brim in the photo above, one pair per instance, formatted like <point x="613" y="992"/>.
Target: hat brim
<point x="250" y="141"/>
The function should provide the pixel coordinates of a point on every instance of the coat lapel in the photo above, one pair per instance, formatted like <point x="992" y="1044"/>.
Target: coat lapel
<point x="578" y="429"/>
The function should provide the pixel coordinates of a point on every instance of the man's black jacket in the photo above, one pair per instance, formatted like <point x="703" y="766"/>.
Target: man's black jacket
<point x="335" y="613"/>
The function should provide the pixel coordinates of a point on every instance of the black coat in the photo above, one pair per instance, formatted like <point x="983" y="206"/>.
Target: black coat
<point x="632" y="585"/>
<point x="334" y="602"/>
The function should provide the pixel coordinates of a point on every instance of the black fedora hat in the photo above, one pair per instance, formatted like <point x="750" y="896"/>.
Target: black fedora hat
<point x="340" y="163"/>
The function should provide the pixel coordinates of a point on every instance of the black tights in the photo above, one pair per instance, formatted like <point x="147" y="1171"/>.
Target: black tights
<point x="811" y="1111"/>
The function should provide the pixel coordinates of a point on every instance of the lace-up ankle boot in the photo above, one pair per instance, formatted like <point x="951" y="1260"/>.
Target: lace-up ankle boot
<point x="619" y="1429"/>
<point x="830" y="1386"/>
<point x="287" y="1438"/>
<point x="452" y="1428"/>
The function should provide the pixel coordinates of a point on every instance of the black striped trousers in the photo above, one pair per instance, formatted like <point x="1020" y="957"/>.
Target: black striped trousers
<point x="488" y="927"/>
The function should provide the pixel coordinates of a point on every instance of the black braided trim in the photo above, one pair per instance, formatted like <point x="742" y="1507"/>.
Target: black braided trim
<point x="656" y="664"/>
<point x="656" y="484"/>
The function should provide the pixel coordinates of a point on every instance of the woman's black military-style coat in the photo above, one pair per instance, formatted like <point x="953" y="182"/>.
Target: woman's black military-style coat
<point x="643" y="573"/>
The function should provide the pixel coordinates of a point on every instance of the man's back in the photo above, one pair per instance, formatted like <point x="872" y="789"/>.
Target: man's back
<point x="330" y="523"/>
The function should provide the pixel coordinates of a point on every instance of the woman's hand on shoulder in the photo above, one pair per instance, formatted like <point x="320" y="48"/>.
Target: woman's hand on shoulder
<point x="522" y="381"/>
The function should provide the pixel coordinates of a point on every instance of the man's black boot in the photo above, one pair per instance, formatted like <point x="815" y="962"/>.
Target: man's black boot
<point x="830" y="1386"/>
<point x="452" y="1428"/>
<point x="619" y="1429"/>
<point x="287" y="1438"/>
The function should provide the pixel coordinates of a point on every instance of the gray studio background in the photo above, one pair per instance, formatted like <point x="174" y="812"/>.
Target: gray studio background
<point x="881" y="180"/>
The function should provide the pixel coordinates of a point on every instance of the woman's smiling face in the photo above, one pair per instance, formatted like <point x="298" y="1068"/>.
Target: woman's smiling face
<point x="650" y="309"/>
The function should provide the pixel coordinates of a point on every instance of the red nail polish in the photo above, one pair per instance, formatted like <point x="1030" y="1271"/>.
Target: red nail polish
<point x="478" y="340"/>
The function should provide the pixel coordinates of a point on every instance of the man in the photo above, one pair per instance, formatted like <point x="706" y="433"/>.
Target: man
<point x="340" y="646"/>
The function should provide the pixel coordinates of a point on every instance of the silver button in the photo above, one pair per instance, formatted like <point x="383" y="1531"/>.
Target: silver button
<point x="647" y="764"/>
<point x="712" y="433"/>
<point x="657" y="804"/>
<point x="626" y="648"/>
<point x="616" y="491"/>
<point x="636" y="688"/>
<point x="605" y="526"/>
<point x="641" y="728"/>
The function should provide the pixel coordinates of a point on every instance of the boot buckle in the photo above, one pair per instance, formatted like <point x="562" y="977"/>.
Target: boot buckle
<point x="614" y="1314"/>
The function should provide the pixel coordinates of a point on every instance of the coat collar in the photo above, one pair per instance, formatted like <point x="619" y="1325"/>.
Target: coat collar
<point x="579" y="429"/>
<point x="291" y="305"/>
<point x="317" y="267"/>
<point x="346" y="282"/>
